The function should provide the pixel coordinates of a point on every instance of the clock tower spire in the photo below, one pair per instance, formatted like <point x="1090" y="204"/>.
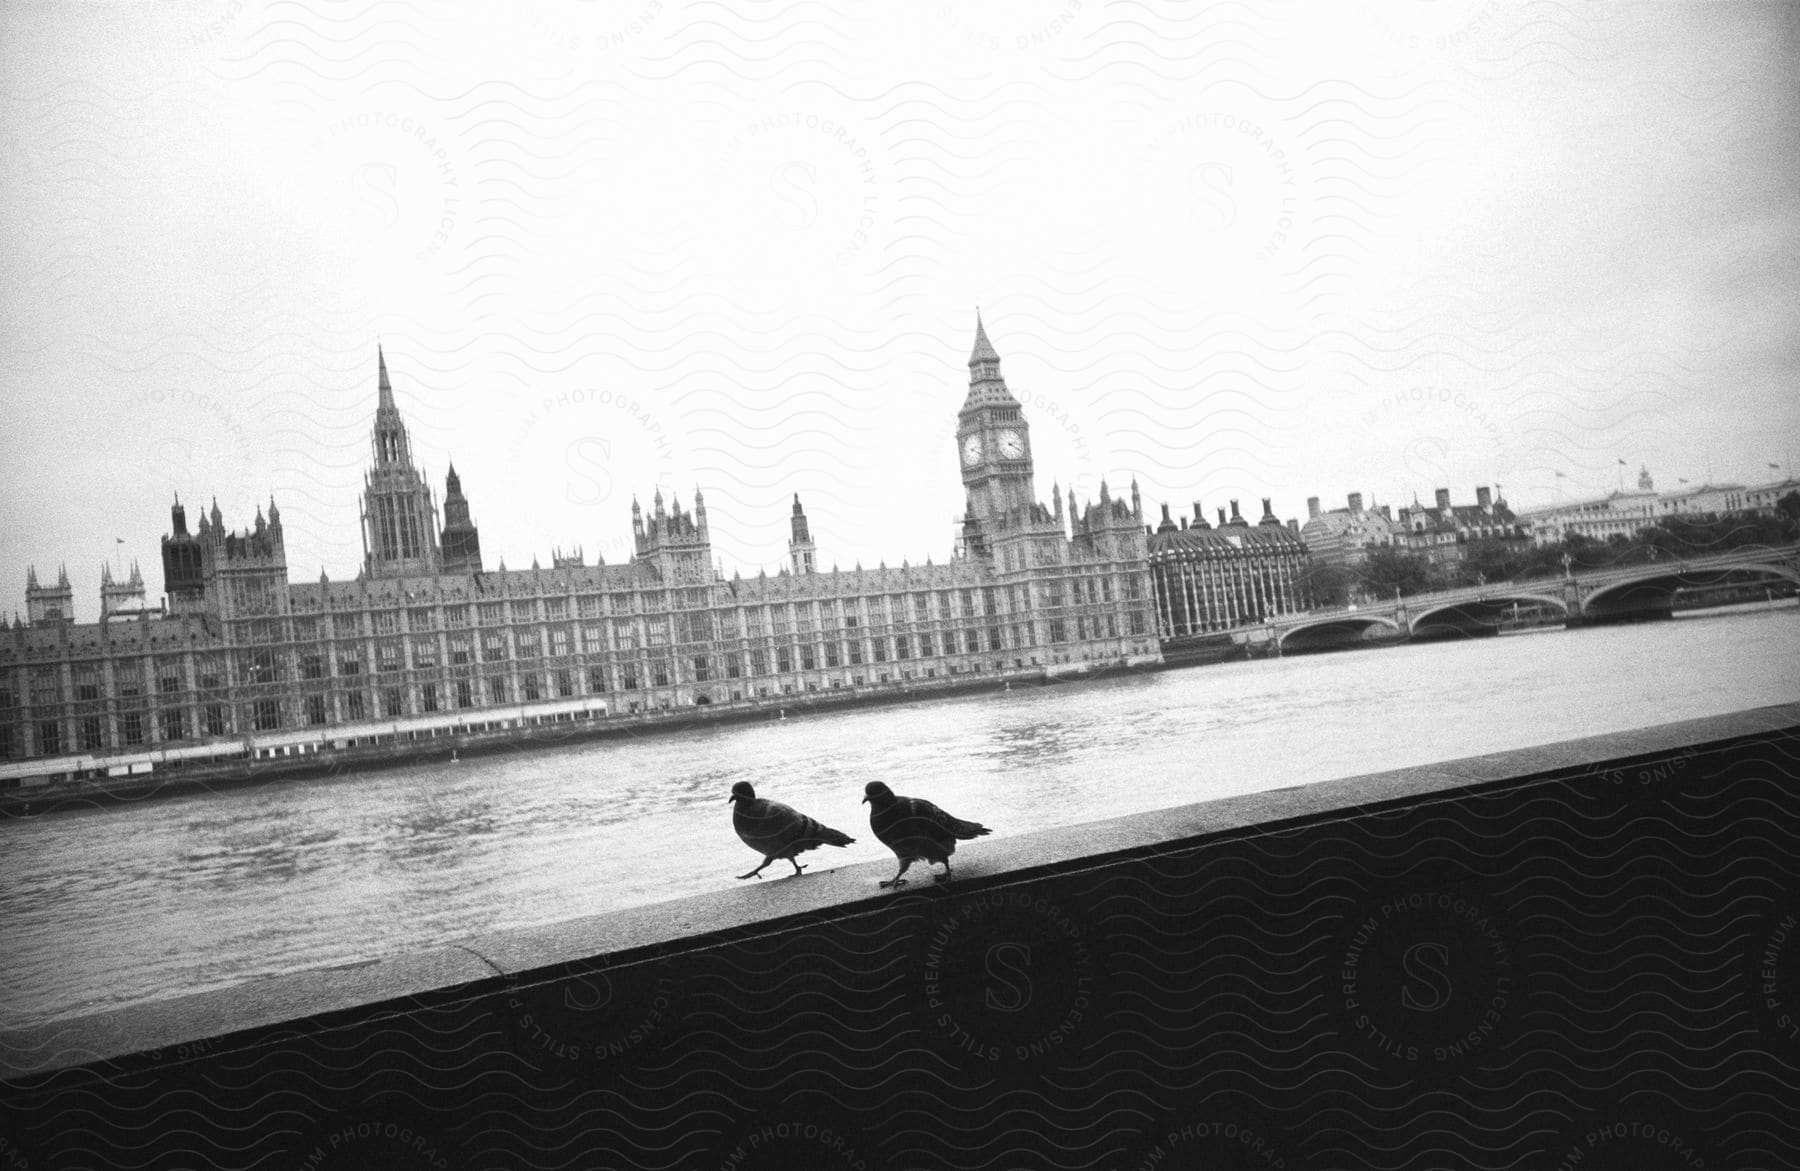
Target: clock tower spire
<point x="993" y="443"/>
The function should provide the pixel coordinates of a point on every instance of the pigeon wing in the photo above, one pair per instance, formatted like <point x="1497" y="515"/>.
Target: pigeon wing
<point x="768" y="827"/>
<point x="955" y="827"/>
<point x="782" y="831"/>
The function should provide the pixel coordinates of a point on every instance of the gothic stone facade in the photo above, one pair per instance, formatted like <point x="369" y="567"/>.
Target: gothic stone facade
<point x="1215" y="579"/>
<point x="239" y="660"/>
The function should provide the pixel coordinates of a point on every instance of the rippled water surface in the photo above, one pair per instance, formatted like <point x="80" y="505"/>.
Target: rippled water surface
<point x="113" y="906"/>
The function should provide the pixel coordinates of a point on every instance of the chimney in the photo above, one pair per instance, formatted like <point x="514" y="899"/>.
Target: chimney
<point x="1293" y="526"/>
<point x="1443" y="499"/>
<point x="1221" y="518"/>
<point x="1236" y="516"/>
<point x="1312" y="508"/>
<point x="1484" y="498"/>
<point x="1356" y="502"/>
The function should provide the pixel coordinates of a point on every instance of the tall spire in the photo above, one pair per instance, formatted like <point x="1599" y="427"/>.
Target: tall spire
<point x="389" y="441"/>
<point x="384" y="388"/>
<point x="399" y="516"/>
<point x="986" y="385"/>
<point x="984" y="350"/>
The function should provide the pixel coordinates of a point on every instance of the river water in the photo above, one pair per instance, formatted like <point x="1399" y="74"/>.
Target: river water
<point x="105" y="907"/>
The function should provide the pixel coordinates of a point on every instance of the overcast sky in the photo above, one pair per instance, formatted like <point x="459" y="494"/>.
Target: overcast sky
<point x="1234" y="250"/>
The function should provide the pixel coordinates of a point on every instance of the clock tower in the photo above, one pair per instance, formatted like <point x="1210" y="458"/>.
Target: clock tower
<point x="993" y="444"/>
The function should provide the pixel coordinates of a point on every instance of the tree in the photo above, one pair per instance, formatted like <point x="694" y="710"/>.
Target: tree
<point x="1490" y="560"/>
<point x="1388" y="567"/>
<point x="1326" y="585"/>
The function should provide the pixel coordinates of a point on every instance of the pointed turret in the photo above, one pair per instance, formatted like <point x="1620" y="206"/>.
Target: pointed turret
<point x="384" y="390"/>
<point x="986" y="386"/>
<point x="460" y="542"/>
<point x="984" y="350"/>
<point x="184" y="580"/>
<point x="802" y="553"/>
<point x="399" y="515"/>
<point x="49" y="604"/>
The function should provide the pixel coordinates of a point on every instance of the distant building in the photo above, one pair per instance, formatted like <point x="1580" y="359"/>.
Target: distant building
<point x="1209" y="579"/>
<point x="1342" y="537"/>
<point x="1441" y="532"/>
<point x="1625" y="513"/>
<point x="242" y="662"/>
<point x="1598" y="518"/>
<point x="1719" y="499"/>
<point x="1765" y="499"/>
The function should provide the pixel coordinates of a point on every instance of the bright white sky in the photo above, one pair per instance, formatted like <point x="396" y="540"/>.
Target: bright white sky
<point x="1236" y="250"/>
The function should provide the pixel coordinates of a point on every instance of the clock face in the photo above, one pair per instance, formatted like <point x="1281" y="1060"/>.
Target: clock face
<point x="971" y="451"/>
<point x="1012" y="445"/>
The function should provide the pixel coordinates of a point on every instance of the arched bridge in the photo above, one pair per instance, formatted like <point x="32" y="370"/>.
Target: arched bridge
<point x="1626" y="594"/>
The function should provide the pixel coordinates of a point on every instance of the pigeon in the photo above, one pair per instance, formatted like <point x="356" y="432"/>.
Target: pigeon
<point x="776" y="831"/>
<point x="915" y="829"/>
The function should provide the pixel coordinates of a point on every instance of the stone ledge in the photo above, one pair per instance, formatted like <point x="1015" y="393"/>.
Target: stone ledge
<point x="319" y="999"/>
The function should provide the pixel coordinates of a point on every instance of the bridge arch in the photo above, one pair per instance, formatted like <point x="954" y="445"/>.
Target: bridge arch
<point x="1677" y="576"/>
<point x="1484" y="610"/>
<point x="1333" y="632"/>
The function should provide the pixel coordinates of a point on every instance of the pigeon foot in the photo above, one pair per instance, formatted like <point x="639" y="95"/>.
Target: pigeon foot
<point x="893" y="882"/>
<point x="757" y="873"/>
<point x="944" y="877"/>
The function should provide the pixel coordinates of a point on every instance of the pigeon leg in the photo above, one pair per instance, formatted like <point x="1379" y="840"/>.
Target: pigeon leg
<point x="757" y="873"/>
<point x="945" y="876"/>
<point x="798" y="869"/>
<point x="897" y="880"/>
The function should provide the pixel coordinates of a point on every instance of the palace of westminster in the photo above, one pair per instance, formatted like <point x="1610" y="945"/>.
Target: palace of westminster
<point x="426" y="640"/>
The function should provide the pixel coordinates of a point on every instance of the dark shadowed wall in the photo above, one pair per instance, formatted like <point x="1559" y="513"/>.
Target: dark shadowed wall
<point x="1509" y="962"/>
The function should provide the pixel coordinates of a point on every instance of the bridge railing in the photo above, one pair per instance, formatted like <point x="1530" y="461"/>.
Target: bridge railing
<point x="1743" y="555"/>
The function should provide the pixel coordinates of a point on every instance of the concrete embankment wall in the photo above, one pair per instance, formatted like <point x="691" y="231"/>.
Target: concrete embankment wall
<point x="1579" y="955"/>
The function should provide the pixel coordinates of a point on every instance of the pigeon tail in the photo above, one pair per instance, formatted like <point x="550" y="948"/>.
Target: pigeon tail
<point x="834" y="837"/>
<point x="964" y="830"/>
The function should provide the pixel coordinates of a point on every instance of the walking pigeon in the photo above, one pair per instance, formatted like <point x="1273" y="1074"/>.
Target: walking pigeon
<point x="915" y="829"/>
<point x="776" y="831"/>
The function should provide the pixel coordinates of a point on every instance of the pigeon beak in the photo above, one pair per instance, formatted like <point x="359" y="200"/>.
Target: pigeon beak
<point x="731" y="798"/>
<point x="865" y="800"/>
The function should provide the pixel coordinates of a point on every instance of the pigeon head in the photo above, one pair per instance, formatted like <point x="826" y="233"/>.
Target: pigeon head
<point x="742" y="791"/>
<point x="877" y="792"/>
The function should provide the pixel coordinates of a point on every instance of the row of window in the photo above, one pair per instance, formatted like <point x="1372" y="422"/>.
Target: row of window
<point x="266" y="667"/>
<point x="963" y="601"/>
<point x="216" y="718"/>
